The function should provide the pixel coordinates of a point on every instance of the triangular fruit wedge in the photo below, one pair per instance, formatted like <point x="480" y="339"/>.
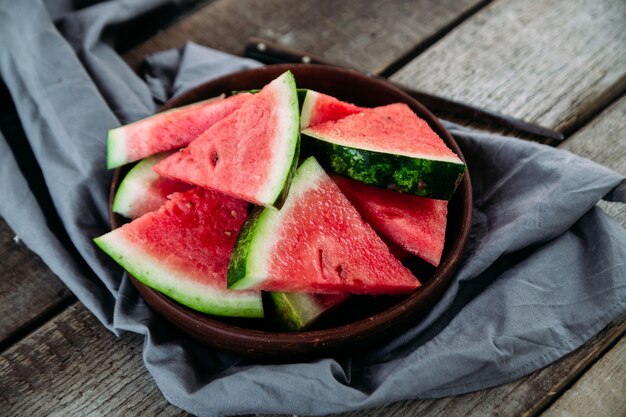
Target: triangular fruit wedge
<point x="388" y="147"/>
<point x="183" y="249"/>
<point x="296" y="311"/>
<point x="142" y="190"/>
<point x="251" y="154"/>
<point x="416" y="224"/>
<point x="168" y="130"/>
<point x="317" y="243"/>
<point x="319" y="108"/>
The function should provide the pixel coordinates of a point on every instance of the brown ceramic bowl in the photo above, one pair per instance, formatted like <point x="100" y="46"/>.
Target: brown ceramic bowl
<point x="363" y="321"/>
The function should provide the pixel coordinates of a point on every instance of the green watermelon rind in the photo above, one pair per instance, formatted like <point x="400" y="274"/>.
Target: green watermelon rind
<point x="295" y="311"/>
<point x="135" y="183"/>
<point x="174" y="284"/>
<point x="241" y="266"/>
<point x="424" y="177"/>
<point x="249" y="261"/>
<point x="117" y="154"/>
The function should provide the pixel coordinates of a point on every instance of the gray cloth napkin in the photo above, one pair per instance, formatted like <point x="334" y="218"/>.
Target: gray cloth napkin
<point x="544" y="269"/>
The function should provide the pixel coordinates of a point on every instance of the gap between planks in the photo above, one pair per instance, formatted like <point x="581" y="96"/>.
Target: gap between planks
<point x="586" y="397"/>
<point x="431" y="40"/>
<point x="356" y="36"/>
<point x="618" y="334"/>
<point x="32" y="326"/>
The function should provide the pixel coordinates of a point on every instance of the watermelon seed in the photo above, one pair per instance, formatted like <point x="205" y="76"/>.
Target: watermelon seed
<point x="340" y="271"/>
<point x="233" y="213"/>
<point x="228" y="233"/>
<point x="320" y="254"/>
<point x="214" y="158"/>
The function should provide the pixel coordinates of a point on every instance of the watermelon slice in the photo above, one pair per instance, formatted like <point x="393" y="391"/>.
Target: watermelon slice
<point x="320" y="108"/>
<point x="182" y="250"/>
<point x="142" y="190"/>
<point x="317" y="243"/>
<point x="389" y="147"/>
<point x="298" y="311"/>
<point x="168" y="130"/>
<point x="251" y="154"/>
<point x="416" y="224"/>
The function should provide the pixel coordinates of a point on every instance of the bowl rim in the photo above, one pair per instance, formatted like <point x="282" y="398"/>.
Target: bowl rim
<point x="317" y="341"/>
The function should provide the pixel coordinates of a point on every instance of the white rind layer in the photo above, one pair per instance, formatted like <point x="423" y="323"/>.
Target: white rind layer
<point x="288" y="130"/>
<point x="154" y="273"/>
<point x="310" y="99"/>
<point x="117" y="154"/>
<point x="134" y="185"/>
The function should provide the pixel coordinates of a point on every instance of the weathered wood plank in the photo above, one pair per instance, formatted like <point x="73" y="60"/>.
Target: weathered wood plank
<point x="353" y="33"/>
<point x="600" y="392"/>
<point x="73" y="366"/>
<point x="28" y="290"/>
<point x="555" y="62"/>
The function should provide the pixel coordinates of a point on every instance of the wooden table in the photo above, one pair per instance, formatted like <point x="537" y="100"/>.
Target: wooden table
<point x="560" y="63"/>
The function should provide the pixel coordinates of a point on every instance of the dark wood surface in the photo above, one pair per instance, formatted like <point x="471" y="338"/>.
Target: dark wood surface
<point x="29" y="292"/>
<point x="560" y="63"/>
<point x="367" y="35"/>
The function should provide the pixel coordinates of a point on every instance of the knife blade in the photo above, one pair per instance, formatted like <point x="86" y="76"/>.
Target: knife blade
<point x="271" y="53"/>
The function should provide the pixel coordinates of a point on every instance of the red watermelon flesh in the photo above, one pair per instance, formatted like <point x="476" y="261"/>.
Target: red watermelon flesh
<point x="183" y="249"/>
<point x="249" y="154"/>
<point x="317" y="243"/>
<point x="417" y="224"/>
<point x="169" y="130"/>
<point x="319" y="108"/>
<point x="393" y="129"/>
<point x="142" y="190"/>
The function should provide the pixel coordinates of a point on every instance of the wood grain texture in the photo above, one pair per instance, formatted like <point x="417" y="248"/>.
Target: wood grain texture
<point x="554" y="62"/>
<point x="352" y="33"/>
<point x="602" y="141"/>
<point x="600" y="392"/>
<point x="28" y="290"/>
<point x="73" y="366"/>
